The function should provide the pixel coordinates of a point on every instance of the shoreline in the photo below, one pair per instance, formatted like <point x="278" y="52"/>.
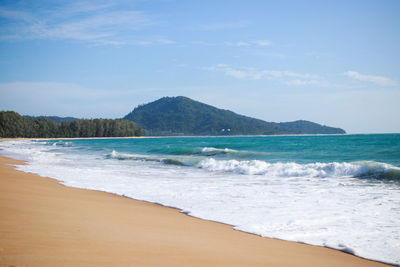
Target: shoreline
<point x="166" y="235"/>
<point x="178" y="136"/>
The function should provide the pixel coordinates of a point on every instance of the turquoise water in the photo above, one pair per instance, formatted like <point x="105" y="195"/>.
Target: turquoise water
<point x="371" y="149"/>
<point x="339" y="191"/>
<point x="300" y="149"/>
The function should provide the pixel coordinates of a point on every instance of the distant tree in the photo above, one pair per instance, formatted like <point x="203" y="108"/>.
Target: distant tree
<point x="99" y="127"/>
<point x="14" y="125"/>
<point x="75" y="128"/>
<point x="65" y="129"/>
<point x="46" y="128"/>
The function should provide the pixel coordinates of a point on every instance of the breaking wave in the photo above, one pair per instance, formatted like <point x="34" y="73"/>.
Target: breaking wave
<point x="204" y="151"/>
<point x="358" y="169"/>
<point x="211" y="151"/>
<point x="126" y="156"/>
<point x="362" y="169"/>
<point x="61" y="143"/>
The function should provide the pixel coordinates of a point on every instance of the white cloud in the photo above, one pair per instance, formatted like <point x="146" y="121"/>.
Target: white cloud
<point x="165" y="41"/>
<point x="14" y="14"/>
<point x="242" y="44"/>
<point x="262" y="42"/>
<point x="202" y="43"/>
<point x="223" y="26"/>
<point x="298" y="82"/>
<point x="379" y="80"/>
<point x="88" y="22"/>
<point x="250" y="43"/>
<point x="154" y="41"/>
<point x="297" y="79"/>
<point x="87" y="6"/>
<point x="254" y="43"/>
<point x="144" y="43"/>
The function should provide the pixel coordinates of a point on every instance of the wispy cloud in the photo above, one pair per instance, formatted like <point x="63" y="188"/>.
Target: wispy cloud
<point x="288" y="77"/>
<point x="241" y="43"/>
<point x="86" y="6"/>
<point x="154" y="41"/>
<point x="102" y="23"/>
<point x="254" y="43"/>
<point x="318" y="55"/>
<point x="250" y="43"/>
<point x="299" y="82"/>
<point x="223" y="26"/>
<point x="262" y="42"/>
<point x="164" y="41"/>
<point x="379" y="80"/>
<point x="6" y="13"/>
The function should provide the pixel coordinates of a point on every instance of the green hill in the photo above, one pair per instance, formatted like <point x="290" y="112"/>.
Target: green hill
<point x="184" y="116"/>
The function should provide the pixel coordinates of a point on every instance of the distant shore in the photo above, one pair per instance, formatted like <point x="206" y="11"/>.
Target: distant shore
<point x="47" y="224"/>
<point x="70" y="138"/>
<point x="157" y="136"/>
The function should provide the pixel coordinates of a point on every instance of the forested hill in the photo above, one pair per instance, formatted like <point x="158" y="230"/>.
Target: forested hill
<point x="184" y="116"/>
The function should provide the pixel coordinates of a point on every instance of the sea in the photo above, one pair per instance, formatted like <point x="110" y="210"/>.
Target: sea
<point x="337" y="191"/>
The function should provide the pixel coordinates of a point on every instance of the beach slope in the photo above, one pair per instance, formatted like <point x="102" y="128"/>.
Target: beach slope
<point x="43" y="223"/>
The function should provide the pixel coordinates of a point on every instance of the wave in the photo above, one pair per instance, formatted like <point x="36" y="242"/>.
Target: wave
<point x="361" y="169"/>
<point x="203" y="151"/>
<point x="126" y="156"/>
<point x="206" y="151"/>
<point x="61" y="143"/>
<point x="358" y="169"/>
<point x="173" y="162"/>
<point x="212" y="151"/>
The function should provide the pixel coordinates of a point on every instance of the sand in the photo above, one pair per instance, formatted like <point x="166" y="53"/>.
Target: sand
<point x="43" y="223"/>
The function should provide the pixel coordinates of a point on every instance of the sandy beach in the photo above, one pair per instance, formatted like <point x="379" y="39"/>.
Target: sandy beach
<point x="44" y="223"/>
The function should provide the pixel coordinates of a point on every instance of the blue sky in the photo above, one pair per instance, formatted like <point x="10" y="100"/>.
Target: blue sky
<point x="331" y="62"/>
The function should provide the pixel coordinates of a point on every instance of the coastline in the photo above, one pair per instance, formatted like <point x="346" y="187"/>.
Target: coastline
<point x="67" y="138"/>
<point x="45" y="223"/>
<point x="176" y="136"/>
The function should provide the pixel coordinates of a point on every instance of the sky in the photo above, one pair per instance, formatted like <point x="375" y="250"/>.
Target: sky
<point x="336" y="63"/>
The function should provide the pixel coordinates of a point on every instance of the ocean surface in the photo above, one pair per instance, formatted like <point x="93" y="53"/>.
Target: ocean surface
<point x="339" y="191"/>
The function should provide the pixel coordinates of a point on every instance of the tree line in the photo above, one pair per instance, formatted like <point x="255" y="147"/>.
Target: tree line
<point x="13" y="124"/>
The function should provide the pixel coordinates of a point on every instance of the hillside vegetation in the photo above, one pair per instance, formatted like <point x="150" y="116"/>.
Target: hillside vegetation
<point x="13" y="124"/>
<point x="53" y="118"/>
<point x="184" y="116"/>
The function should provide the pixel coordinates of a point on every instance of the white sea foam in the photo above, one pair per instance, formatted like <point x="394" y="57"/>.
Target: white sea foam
<point x="282" y="200"/>
<point x="62" y="143"/>
<point x="127" y="156"/>
<point x="291" y="169"/>
<point x="213" y="150"/>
